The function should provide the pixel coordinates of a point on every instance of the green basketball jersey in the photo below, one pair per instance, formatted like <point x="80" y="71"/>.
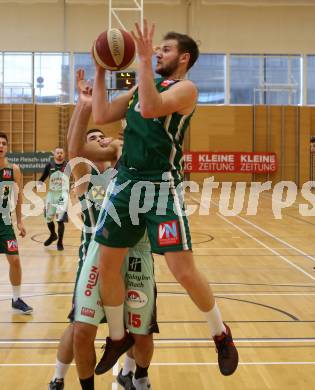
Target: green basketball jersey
<point x="153" y="146"/>
<point x="6" y="185"/>
<point x="91" y="203"/>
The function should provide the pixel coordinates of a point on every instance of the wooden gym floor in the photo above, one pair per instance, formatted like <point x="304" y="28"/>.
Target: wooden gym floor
<point x="263" y="276"/>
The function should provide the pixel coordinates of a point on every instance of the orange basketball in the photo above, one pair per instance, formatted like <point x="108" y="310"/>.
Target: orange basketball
<point x="114" y="49"/>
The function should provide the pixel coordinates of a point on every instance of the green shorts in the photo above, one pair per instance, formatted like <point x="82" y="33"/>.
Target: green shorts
<point x="8" y="242"/>
<point x="140" y="302"/>
<point x="56" y="205"/>
<point x="131" y="206"/>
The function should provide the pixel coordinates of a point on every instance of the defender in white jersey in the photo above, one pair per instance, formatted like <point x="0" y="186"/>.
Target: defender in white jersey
<point x="57" y="198"/>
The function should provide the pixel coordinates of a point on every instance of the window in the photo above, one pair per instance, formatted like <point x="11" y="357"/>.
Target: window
<point x="84" y="61"/>
<point x="311" y="79"/>
<point x="17" y="78"/>
<point x="282" y="77"/>
<point x="1" y="76"/>
<point x="265" y="79"/>
<point x="52" y="78"/>
<point x="244" y="78"/>
<point x="208" y="75"/>
<point x="252" y="78"/>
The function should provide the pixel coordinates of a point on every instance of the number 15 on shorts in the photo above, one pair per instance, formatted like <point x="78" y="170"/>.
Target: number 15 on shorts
<point x="134" y="319"/>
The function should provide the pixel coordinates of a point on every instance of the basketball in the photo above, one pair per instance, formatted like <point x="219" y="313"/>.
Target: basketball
<point x="114" y="49"/>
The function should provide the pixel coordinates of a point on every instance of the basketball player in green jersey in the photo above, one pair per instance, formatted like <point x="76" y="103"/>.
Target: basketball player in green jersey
<point x="56" y="202"/>
<point x="10" y="180"/>
<point x="91" y="193"/>
<point x="157" y="112"/>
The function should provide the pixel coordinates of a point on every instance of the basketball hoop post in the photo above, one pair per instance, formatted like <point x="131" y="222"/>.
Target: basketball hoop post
<point x="135" y="6"/>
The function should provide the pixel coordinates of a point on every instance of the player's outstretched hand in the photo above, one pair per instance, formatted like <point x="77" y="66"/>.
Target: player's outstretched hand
<point x="84" y="87"/>
<point x="144" y="40"/>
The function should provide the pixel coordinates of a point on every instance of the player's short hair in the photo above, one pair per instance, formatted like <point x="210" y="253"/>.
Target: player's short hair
<point x="94" y="131"/>
<point x="3" y="135"/>
<point x="185" y="45"/>
<point x="59" y="147"/>
<point x="312" y="138"/>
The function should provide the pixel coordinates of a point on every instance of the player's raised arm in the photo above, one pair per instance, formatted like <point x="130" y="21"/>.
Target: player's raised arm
<point x="76" y="137"/>
<point x="103" y="110"/>
<point x="182" y="96"/>
<point x="80" y="117"/>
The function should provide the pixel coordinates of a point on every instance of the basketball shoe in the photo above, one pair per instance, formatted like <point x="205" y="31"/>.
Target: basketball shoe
<point x="142" y="383"/>
<point x="112" y="351"/>
<point x="227" y="352"/>
<point x="125" y="380"/>
<point x="21" y="306"/>
<point x="56" y="384"/>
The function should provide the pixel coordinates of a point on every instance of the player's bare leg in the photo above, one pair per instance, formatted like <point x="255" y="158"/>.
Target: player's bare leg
<point x="182" y="266"/>
<point x="15" y="275"/>
<point x="84" y="353"/>
<point x="64" y="359"/>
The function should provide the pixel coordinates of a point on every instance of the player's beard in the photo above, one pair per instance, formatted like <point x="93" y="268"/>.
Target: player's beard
<point x="169" y="69"/>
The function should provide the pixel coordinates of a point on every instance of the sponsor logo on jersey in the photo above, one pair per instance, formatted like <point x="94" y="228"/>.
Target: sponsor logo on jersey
<point x="98" y="193"/>
<point x="168" y="233"/>
<point x="134" y="264"/>
<point x="5" y="191"/>
<point x="136" y="299"/>
<point x="137" y="107"/>
<point x="7" y="174"/>
<point x="12" y="245"/>
<point x="92" y="281"/>
<point x="166" y="83"/>
<point x="87" y="312"/>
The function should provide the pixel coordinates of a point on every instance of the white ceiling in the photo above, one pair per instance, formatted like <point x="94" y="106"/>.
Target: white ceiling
<point x="114" y="2"/>
<point x="173" y="2"/>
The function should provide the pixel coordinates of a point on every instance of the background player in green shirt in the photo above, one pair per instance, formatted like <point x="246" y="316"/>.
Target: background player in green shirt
<point x="10" y="180"/>
<point x="56" y="202"/>
<point x="157" y="113"/>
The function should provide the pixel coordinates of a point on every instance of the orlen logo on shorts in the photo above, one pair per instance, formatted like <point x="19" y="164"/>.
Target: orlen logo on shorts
<point x="92" y="281"/>
<point x="12" y="245"/>
<point x="136" y="299"/>
<point x="87" y="312"/>
<point x="168" y="233"/>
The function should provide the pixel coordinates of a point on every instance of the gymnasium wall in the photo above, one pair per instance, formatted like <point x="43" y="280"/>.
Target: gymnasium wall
<point x="224" y="29"/>
<point x="285" y="130"/>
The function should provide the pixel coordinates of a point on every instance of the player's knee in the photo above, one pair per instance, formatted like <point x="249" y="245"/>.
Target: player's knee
<point x="143" y="343"/>
<point x="184" y="276"/>
<point x="81" y="335"/>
